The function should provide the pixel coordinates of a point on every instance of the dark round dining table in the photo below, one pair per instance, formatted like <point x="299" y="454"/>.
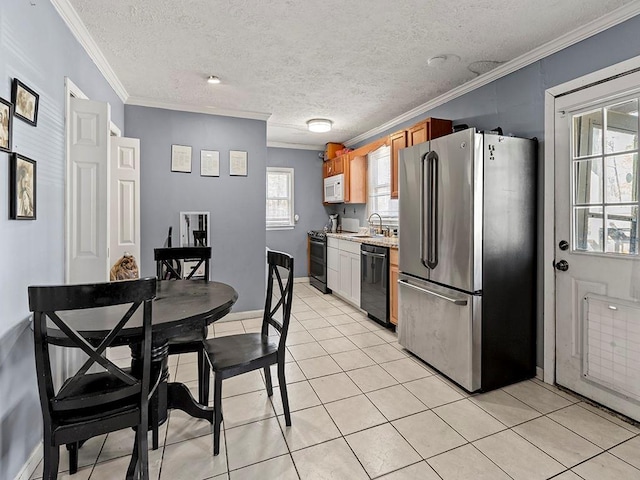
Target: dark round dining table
<point x="180" y="308"/>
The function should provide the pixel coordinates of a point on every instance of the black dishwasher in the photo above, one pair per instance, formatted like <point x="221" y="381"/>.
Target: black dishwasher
<point x="374" y="282"/>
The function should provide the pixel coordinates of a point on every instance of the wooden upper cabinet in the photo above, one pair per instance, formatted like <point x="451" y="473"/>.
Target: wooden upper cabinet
<point x="338" y="164"/>
<point x="325" y="168"/>
<point x="397" y="140"/>
<point x="421" y="132"/>
<point x="334" y="166"/>
<point x="355" y="179"/>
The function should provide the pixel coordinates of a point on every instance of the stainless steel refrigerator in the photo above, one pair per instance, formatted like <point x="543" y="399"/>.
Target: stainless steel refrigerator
<point x="467" y="282"/>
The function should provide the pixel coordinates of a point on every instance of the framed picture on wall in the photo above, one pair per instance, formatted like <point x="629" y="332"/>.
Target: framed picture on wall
<point x="25" y="101"/>
<point x="209" y="163"/>
<point x="181" y="158"/>
<point x="237" y="163"/>
<point x="6" y="124"/>
<point x="22" y="188"/>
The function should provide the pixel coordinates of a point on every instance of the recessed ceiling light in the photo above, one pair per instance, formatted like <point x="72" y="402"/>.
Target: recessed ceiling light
<point x="319" y="125"/>
<point x="213" y="80"/>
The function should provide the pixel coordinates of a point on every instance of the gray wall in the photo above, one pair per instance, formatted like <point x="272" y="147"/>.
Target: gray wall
<point x="237" y="204"/>
<point x="516" y="103"/>
<point x="37" y="48"/>
<point x="307" y="203"/>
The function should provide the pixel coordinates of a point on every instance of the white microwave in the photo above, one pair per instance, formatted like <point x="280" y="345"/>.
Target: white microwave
<point x="334" y="189"/>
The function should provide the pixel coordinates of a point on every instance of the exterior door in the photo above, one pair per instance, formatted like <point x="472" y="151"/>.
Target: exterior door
<point x="125" y="199"/>
<point x="88" y="192"/>
<point x="597" y="213"/>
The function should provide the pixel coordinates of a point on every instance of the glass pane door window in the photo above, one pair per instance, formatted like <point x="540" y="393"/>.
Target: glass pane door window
<point x="605" y="199"/>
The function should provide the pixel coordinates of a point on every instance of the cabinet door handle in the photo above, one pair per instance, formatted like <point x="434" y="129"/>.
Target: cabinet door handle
<point x="457" y="301"/>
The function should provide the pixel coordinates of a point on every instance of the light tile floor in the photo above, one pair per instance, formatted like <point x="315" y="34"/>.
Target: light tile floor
<point x="363" y="407"/>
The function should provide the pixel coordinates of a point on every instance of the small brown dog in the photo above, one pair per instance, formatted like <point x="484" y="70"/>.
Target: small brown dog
<point x="125" y="268"/>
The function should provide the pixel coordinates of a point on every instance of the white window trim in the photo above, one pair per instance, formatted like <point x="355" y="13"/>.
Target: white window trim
<point x="291" y="224"/>
<point x="381" y="152"/>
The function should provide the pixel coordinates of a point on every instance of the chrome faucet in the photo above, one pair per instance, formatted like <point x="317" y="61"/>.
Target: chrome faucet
<point x="379" y="217"/>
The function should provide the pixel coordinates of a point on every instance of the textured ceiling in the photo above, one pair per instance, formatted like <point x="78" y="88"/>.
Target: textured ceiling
<point x="360" y="63"/>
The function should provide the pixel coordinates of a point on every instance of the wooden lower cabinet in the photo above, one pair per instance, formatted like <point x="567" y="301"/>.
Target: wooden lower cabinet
<point x="393" y="285"/>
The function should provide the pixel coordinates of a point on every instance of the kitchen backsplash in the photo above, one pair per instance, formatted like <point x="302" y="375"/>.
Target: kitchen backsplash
<point x="350" y="224"/>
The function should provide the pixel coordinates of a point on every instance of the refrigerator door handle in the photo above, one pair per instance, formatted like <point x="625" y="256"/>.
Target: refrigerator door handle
<point x="456" y="301"/>
<point x="432" y="221"/>
<point x="422" y="198"/>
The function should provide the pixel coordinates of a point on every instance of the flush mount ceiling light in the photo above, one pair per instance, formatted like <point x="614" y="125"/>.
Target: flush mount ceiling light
<point x="319" y="125"/>
<point x="213" y="80"/>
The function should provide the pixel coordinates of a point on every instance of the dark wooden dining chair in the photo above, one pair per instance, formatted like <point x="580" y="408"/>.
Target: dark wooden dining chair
<point x="199" y="238"/>
<point x="193" y="342"/>
<point x="237" y="354"/>
<point x="91" y="404"/>
<point x="168" y="261"/>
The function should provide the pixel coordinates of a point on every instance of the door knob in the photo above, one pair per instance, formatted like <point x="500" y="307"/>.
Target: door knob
<point x="562" y="265"/>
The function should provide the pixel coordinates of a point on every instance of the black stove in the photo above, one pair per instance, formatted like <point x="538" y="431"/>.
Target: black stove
<point x="318" y="260"/>
<point x="317" y="234"/>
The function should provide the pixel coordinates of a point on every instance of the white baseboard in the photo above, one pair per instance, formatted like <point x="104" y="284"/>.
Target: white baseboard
<point x="301" y="280"/>
<point x="540" y="373"/>
<point x="232" y="317"/>
<point x="31" y="465"/>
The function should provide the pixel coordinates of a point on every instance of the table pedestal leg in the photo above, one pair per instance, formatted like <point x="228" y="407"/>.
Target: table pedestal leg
<point x="167" y="395"/>
<point x="159" y="369"/>
<point x="180" y="397"/>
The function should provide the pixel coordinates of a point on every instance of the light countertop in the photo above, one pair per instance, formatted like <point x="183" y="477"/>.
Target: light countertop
<point x="391" y="242"/>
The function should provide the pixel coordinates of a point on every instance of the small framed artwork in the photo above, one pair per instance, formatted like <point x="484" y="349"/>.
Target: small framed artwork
<point x="25" y="101"/>
<point x="22" y="188"/>
<point x="209" y="163"/>
<point x="237" y="163"/>
<point x="6" y="123"/>
<point x="181" y="158"/>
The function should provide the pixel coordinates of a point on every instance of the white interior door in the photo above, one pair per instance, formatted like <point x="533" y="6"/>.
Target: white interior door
<point x="88" y="192"/>
<point x="125" y="198"/>
<point x="597" y="217"/>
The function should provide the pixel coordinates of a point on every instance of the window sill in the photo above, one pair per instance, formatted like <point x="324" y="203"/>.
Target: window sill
<point x="281" y="227"/>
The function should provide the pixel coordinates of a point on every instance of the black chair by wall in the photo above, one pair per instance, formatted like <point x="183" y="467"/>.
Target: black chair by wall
<point x="91" y="404"/>
<point x="237" y="354"/>
<point x="192" y="343"/>
<point x="168" y="261"/>
<point x="199" y="238"/>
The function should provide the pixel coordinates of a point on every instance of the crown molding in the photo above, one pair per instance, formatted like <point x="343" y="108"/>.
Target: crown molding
<point x="80" y="32"/>
<point x="609" y="20"/>
<point x="183" y="107"/>
<point x="296" y="146"/>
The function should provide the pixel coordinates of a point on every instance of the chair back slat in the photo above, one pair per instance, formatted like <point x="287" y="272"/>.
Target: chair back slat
<point x="167" y="261"/>
<point x="282" y="296"/>
<point x="94" y="354"/>
<point x="91" y="295"/>
<point x="49" y="302"/>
